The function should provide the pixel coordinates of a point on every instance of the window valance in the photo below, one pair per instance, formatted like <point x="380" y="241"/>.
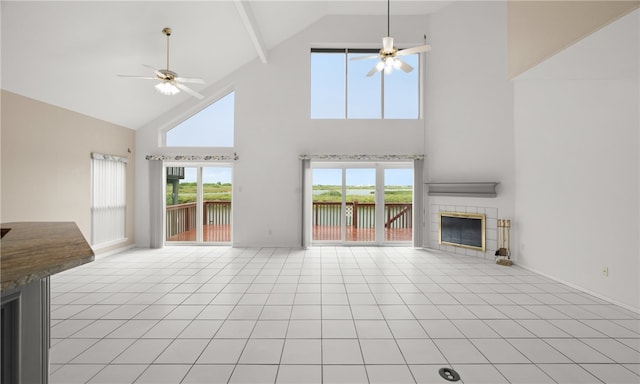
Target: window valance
<point x="338" y="157"/>
<point x="102" y="156"/>
<point x="193" y="157"/>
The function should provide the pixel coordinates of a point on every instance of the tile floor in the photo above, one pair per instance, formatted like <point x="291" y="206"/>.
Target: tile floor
<point x="329" y="315"/>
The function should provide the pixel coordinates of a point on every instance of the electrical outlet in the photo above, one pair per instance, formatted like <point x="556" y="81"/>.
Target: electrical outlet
<point x="605" y="271"/>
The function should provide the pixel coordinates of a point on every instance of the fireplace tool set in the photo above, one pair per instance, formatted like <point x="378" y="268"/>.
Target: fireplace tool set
<point x="503" y="254"/>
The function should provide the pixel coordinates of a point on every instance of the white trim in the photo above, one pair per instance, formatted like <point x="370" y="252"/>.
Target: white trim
<point x="251" y="25"/>
<point x="361" y="157"/>
<point x="587" y="291"/>
<point x="196" y="244"/>
<point x="113" y="251"/>
<point x="109" y="243"/>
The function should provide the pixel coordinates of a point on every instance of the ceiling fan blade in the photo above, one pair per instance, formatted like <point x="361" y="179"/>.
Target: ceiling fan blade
<point x="192" y="80"/>
<point x="376" y="68"/>
<point x="158" y="73"/>
<point x="409" y="51"/>
<point x="364" y="57"/>
<point x="189" y="91"/>
<point x="404" y="66"/>
<point x="138" y="77"/>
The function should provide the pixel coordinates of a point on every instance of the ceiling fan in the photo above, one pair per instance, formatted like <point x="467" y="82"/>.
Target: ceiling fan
<point x="389" y="55"/>
<point x="170" y="83"/>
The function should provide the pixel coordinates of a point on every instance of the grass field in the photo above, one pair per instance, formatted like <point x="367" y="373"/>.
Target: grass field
<point x="187" y="192"/>
<point x="329" y="193"/>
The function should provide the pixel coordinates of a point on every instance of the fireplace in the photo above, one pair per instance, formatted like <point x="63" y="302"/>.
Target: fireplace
<point x="466" y="230"/>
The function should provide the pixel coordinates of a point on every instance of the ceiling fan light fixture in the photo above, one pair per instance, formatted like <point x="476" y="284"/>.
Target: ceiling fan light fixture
<point x="389" y="62"/>
<point x="167" y="88"/>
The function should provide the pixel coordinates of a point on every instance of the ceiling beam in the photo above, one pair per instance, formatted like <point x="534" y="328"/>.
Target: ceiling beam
<point x="246" y="14"/>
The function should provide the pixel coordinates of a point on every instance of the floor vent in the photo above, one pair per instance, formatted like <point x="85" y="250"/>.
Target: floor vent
<point x="449" y="374"/>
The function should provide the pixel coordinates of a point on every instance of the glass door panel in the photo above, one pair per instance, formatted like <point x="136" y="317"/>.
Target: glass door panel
<point x="216" y="204"/>
<point x="181" y="202"/>
<point x="360" y="185"/>
<point x="327" y="204"/>
<point x="398" y="204"/>
<point x="362" y="203"/>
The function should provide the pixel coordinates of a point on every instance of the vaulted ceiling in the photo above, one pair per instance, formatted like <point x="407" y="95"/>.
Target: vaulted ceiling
<point x="69" y="53"/>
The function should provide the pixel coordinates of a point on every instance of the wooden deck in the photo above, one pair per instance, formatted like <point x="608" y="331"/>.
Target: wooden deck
<point x="213" y="233"/>
<point x="328" y="232"/>
<point x="221" y="233"/>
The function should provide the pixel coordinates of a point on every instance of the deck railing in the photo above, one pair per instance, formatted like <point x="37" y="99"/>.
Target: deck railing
<point x="182" y="217"/>
<point x="362" y="215"/>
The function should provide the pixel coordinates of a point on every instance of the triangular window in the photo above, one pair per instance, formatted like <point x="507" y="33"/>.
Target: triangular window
<point x="211" y="127"/>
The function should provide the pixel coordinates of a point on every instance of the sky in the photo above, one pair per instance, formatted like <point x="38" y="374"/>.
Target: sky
<point x="361" y="176"/>
<point x="211" y="127"/>
<point x="362" y="95"/>
<point x="209" y="175"/>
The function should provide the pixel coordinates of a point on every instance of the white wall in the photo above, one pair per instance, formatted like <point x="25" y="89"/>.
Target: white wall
<point x="469" y="111"/>
<point x="273" y="127"/>
<point x="577" y="164"/>
<point x="46" y="163"/>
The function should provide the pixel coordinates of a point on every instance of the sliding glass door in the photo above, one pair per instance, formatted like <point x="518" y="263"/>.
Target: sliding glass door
<point x="361" y="203"/>
<point x="360" y="187"/>
<point x="198" y="204"/>
<point x="216" y="204"/>
<point x="181" y="211"/>
<point x="328" y="212"/>
<point x="398" y="204"/>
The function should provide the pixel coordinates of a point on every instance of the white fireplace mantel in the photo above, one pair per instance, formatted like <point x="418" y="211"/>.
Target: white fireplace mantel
<point x="463" y="189"/>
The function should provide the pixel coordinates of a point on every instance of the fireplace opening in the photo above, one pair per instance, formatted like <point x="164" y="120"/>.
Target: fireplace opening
<point x="465" y="230"/>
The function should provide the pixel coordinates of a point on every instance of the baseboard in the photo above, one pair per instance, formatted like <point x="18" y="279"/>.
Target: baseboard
<point x="115" y="251"/>
<point x="587" y="291"/>
<point x="574" y="286"/>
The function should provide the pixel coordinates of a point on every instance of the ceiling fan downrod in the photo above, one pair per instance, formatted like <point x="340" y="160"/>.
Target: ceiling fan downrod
<point x="388" y="17"/>
<point x="167" y="32"/>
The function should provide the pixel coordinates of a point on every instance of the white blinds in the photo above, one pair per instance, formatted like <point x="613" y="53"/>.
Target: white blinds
<point x="108" y="199"/>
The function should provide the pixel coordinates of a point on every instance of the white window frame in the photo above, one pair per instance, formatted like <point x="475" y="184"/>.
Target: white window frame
<point x="379" y="167"/>
<point x="346" y="52"/>
<point x="199" y="201"/>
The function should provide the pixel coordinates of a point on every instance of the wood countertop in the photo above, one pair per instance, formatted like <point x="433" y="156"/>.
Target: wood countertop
<point x="34" y="250"/>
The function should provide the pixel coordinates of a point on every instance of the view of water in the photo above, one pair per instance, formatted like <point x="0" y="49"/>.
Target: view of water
<point x="355" y="191"/>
